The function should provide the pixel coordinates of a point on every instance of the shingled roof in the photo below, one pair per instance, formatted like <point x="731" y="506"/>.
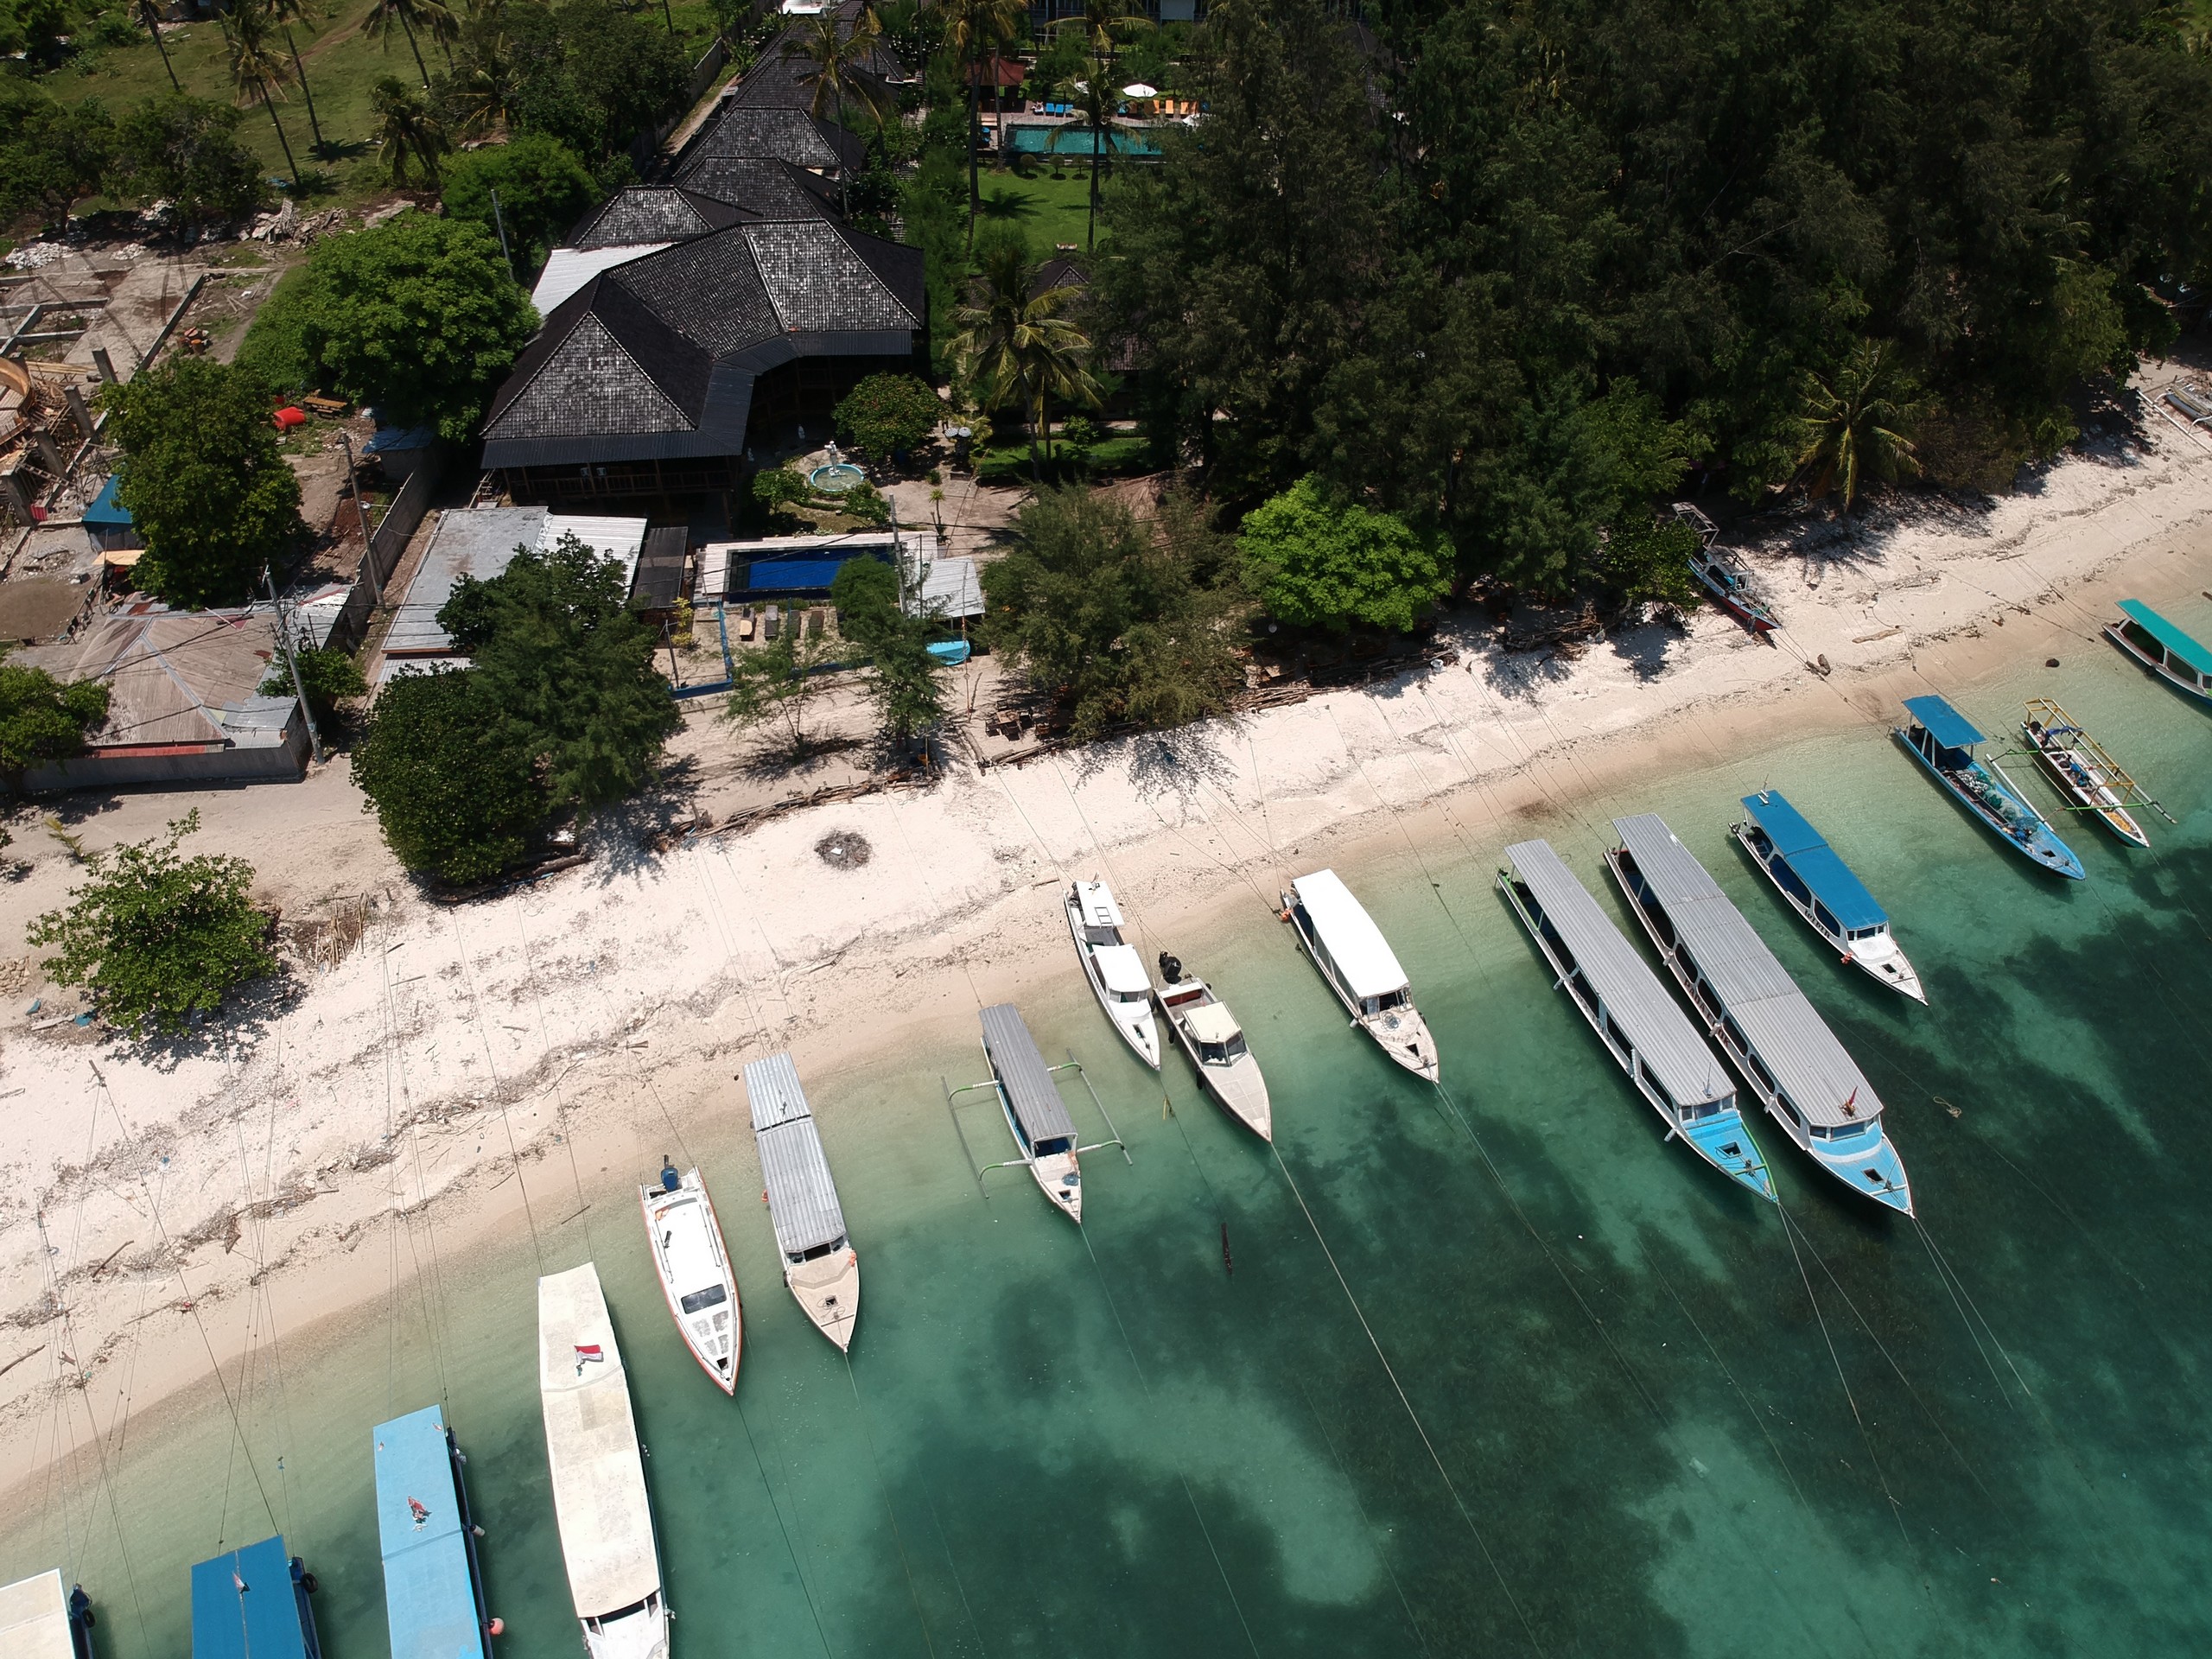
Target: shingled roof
<point x="772" y="133"/>
<point x="774" y="81"/>
<point x="772" y="189"/>
<point x="644" y="213"/>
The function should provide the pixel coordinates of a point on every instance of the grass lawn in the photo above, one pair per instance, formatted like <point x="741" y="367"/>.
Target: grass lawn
<point x="1121" y="454"/>
<point x="1049" y="211"/>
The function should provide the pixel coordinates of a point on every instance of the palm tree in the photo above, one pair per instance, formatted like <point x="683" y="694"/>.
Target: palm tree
<point x="382" y="15"/>
<point x="258" y="67"/>
<point x="406" y="131"/>
<point x="285" y="13"/>
<point x="154" y="28"/>
<point x="484" y="81"/>
<point x="834" y="59"/>
<point x="1019" y="348"/>
<point x="974" y="29"/>
<point x="1096" y="103"/>
<point x="1854" y="422"/>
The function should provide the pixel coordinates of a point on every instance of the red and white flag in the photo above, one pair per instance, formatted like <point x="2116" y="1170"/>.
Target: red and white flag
<point x="587" y="1353"/>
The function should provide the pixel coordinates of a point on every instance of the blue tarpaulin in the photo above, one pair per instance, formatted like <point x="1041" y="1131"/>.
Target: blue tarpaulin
<point x="430" y="1588"/>
<point x="1807" y="853"/>
<point x="250" y="1604"/>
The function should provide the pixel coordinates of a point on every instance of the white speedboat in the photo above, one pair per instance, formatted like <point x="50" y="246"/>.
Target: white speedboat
<point x="1209" y="1035"/>
<point x="1361" y="968"/>
<point x="599" y="1476"/>
<point x="1117" y="972"/>
<point x="693" y="1263"/>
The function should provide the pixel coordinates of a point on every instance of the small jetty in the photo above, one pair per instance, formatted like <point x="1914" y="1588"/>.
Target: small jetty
<point x="1112" y="965"/>
<point x="1821" y="888"/>
<point x="38" y="1622"/>
<point x="1044" y="1138"/>
<point x="599" y="1477"/>
<point x="433" y="1582"/>
<point x="2090" y="779"/>
<point x="1750" y="1007"/>
<point x="2179" y="659"/>
<point x="1943" y="741"/>
<point x="693" y="1262"/>
<point x="253" y="1604"/>
<point x="1208" y="1033"/>
<point x="1720" y="574"/>
<point x="821" y="1267"/>
<point x="1629" y="1007"/>
<point x="1359" y="964"/>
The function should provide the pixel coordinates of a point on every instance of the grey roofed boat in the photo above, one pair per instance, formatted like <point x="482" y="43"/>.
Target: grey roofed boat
<point x="1750" y="1004"/>
<point x="820" y="1265"/>
<point x="1031" y="1094"/>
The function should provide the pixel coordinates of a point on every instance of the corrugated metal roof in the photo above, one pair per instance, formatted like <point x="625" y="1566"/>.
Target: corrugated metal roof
<point x="34" y="1619"/>
<point x="429" y="1597"/>
<point x="1944" y="723"/>
<point x="1634" y="998"/>
<point x="2184" y="646"/>
<point x="1791" y="1040"/>
<point x="802" y="1197"/>
<point x="263" y="1620"/>
<point x="1029" y="1087"/>
<point x="1350" y="936"/>
<point x="771" y="1088"/>
<point x="1831" y="880"/>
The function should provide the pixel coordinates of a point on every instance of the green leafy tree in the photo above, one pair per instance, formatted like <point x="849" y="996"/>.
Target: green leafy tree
<point x="203" y="478"/>
<point x="418" y="317"/>
<point x="1123" y="620"/>
<point x="51" y="158"/>
<point x="186" y="151"/>
<point x="865" y="592"/>
<point x="158" y="938"/>
<point x="43" y="720"/>
<point x="1646" y="561"/>
<point x="593" y="75"/>
<point x="1016" y="344"/>
<point x="773" y="687"/>
<point x="544" y="190"/>
<point x="455" y="795"/>
<point x="1317" y="561"/>
<point x="329" y="676"/>
<point x="1856" y="418"/>
<point x="34" y="29"/>
<point x="260" y="67"/>
<point x="409" y="133"/>
<point x="568" y="668"/>
<point x="886" y="415"/>
<point x="903" y="682"/>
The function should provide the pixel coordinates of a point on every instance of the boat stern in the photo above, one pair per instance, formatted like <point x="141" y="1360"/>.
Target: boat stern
<point x="1062" y="1182"/>
<point x="1724" y="1141"/>
<point x="640" y="1632"/>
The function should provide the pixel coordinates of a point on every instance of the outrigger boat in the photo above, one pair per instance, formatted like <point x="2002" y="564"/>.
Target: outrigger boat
<point x="2079" y="768"/>
<point x="38" y="1622"/>
<point x="1209" y="1035"/>
<point x="1942" y="740"/>
<point x="1723" y="575"/>
<point x="1044" y="1133"/>
<point x="1116" y="971"/>
<point x="599" y="1477"/>
<point x="821" y="1267"/>
<point x="1820" y="887"/>
<point x="433" y="1582"/>
<point x="2175" y="657"/>
<point x="1641" y="1026"/>
<point x="695" y="1276"/>
<point x="1753" y="1010"/>
<point x="1358" y="962"/>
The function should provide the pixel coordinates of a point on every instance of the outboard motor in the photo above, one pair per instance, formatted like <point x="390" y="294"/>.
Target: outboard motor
<point x="670" y="1180"/>
<point x="1171" y="968"/>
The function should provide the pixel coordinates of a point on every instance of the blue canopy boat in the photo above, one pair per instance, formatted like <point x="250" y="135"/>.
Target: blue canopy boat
<point x="2176" y="658"/>
<point x="1942" y="740"/>
<point x="253" y="1604"/>
<point x="1820" y="887"/>
<point x="433" y="1584"/>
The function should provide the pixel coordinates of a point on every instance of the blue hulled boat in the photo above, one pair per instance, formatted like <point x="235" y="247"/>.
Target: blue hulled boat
<point x="433" y="1584"/>
<point x="1942" y="740"/>
<point x="1820" y="887"/>
<point x="253" y="1604"/>
<point x="2176" y="656"/>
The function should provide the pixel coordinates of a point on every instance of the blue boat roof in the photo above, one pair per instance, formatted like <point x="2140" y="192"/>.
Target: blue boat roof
<point x="1944" y="723"/>
<point x="1828" y="876"/>
<point x="105" y="509"/>
<point x="2184" y="646"/>
<point x="429" y="1597"/>
<point x="261" y="1620"/>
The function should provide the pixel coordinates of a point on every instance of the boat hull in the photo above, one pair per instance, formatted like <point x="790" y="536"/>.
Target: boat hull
<point x="2077" y="777"/>
<point x="639" y="1635"/>
<point x="2041" y="847"/>
<point x="1239" y="1088"/>
<point x="829" y="1291"/>
<point x="1133" y="1020"/>
<point x="2194" y="690"/>
<point x="1891" y="968"/>
<point x="1738" y="603"/>
<point x="1400" y="1033"/>
<point x="696" y="1329"/>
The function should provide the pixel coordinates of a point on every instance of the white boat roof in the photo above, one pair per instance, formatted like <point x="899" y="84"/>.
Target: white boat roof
<point x="1635" y="998"/>
<point x="1122" y="970"/>
<point x="802" y="1198"/>
<point x="1210" y="1022"/>
<point x="1029" y="1087"/>
<point x="1791" y="1038"/>
<point x="1362" y="957"/>
<point x="680" y="1220"/>
<point x="1095" y="899"/>
<point x="591" y="1447"/>
<point x="34" y="1618"/>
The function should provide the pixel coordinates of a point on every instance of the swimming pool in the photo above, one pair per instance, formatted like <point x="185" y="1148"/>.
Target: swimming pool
<point x="1074" y="140"/>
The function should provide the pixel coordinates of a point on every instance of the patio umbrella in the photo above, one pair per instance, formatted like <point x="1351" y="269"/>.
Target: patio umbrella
<point x="1140" y="90"/>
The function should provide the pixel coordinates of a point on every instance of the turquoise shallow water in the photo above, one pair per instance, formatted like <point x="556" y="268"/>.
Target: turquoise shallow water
<point x="1635" y="1418"/>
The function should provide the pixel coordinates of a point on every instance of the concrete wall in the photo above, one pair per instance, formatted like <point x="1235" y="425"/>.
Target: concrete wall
<point x="178" y="767"/>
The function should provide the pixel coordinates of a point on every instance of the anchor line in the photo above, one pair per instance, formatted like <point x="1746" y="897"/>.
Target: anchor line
<point x="761" y="1468"/>
<point x="897" y="1537"/>
<point x="944" y="1542"/>
<point x="1382" y="1555"/>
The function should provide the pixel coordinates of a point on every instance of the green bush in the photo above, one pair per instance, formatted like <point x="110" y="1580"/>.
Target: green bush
<point x="1317" y="561"/>
<point x="329" y="676"/>
<point x="887" y="413"/>
<point x="544" y="190"/>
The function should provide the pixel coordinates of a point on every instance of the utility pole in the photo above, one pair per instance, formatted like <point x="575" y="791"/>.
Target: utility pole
<point x="284" y="643"/>
<point x="361" y="512"/>
<point x="499" y="223"/>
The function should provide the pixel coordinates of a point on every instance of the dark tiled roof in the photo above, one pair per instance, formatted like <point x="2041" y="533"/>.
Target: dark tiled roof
<point x="644" y="213"/>
<point x="819" y="282"/>
<point x="771" y="189"/>
<point x="710" y="289"/>
<point x="776" y="81"/>
<point x="772" y="133"/>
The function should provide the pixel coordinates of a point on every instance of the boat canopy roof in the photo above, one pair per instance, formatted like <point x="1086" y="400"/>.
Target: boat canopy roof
<point x="261" y="1620"/>
<point x="1815" y="862"/>
<point x="1944" y="723"/>
<point x="802" y="1198"/>
<point x="34" y="1618"/>
<point x="1635" y="1002"/>
<point x="1791" y="1040"/>
<point x="1121" y="970"/>
<point x="685" y="1236"/>
<point x="591" y="1448"/>
<point x="2184" y="648"/>
<point x="1030" y="1091"/>
<point x="1362" y="955"/>
<point x="1096" y="900"/>
<point x="1210" y="1022"/>
<point x="430" y="1598"/>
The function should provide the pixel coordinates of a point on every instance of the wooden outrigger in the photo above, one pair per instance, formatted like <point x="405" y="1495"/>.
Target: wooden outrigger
<point x="2081" y="770"/>
<point x="1044" y="1135"/>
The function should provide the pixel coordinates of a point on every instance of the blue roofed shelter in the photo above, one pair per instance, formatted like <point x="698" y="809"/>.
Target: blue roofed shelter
<point x="1944" y="723"/>
<point x="432" y="1591"/>
<point x="253" y="1604"/>
<point x="107" y="521"/>
<point x="1830" y="880"/>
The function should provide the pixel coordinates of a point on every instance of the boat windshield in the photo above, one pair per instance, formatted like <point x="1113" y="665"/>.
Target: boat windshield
<point x="1847" y="1131"/>
<point x="1867" y="932"/>
<point x="712" y="1296"/>
<point x="1384" y="1003"/>
<point x="1057" y="1144"/>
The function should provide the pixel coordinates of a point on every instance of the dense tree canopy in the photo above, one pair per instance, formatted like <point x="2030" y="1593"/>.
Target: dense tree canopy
<point x="43" y="719"/>
<point x="885" y="414"/>
<point x="1508" y="270"/>
<point x="50" y="158"/>
<point x="1316" y="560"/>
<point x="186" y="151"/>
<point x="454" y="797"/>
<point x="544" y="190"/>
<point x="203" y="478"/>
<point x="591" y="73"/>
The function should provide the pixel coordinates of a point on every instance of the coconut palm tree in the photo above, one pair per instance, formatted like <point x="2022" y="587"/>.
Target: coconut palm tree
<point x="382" y="15"/>
<point x="1019" y="348"/>
<point x="1097" y="103"/>
<point x="1855" y="422"/>
<point x="483" y="79"/>
<point x="258" y="68"/>
<point x="406" y="131"/>
<point x="975" y="30"/>
<point x="284" y="13"/>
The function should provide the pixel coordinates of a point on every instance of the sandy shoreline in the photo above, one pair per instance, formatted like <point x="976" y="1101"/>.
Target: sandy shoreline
<point x="248" y="1173"/>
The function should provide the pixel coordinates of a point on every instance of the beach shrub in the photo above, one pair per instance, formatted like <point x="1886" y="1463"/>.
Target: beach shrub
<point x="1317" y="561"/>
<point x="773" y="687"/>
<point x="887" y="413"/>
<point x="776" y="487"/>
<point x="327" y="676"/>
<point x="43" y="720"/>
<point x="203" y="478"/>
<point x="158" y="938"/>
<point x="1647" y="562"/>
<point x="185" y="152"/>
<point x="453" y="789"/>
<point x="544" y="190"/>
<point x="903" y="684"/>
